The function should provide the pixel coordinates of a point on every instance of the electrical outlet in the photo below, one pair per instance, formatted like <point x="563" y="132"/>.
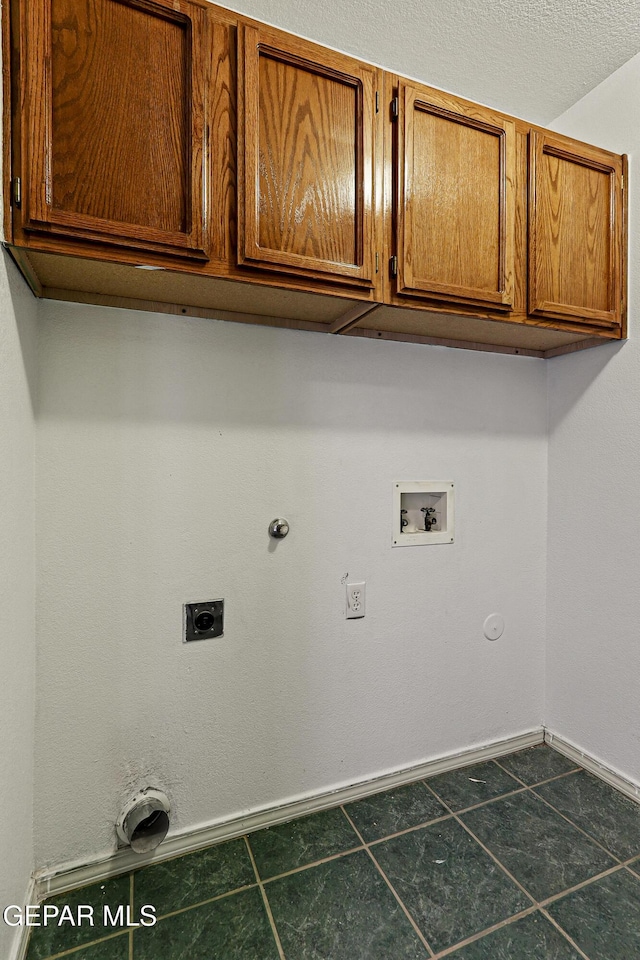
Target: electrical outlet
<point x="355" y="600"/>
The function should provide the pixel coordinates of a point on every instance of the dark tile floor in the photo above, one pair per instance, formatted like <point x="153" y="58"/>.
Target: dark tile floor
<point x="525" y="858"/>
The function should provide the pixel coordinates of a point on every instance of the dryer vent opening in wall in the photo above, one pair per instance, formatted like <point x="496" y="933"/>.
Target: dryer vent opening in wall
<point x="144" y="821"/>
<point x="423" y="512"/>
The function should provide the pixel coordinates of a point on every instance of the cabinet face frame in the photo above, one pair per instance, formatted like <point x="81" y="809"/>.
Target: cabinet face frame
<point x="39" y="213"/>
<point x="364" y="80"/>
<point x="540" y="304"/>
<point x="412" y="98"/>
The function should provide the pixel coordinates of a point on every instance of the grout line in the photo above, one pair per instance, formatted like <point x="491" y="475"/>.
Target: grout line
<point x="131" y="945"/>
<point x="474" y="806"/>
<point x="633" y="865"/>
<point x="493" y="857"/>
<point x="265" y="900"/>
<point x="515" y="777"/>
<point x="202" y="903"/>
<point x="564" y="933"/>
<point x="404" y="909"/>
<point x="560" y="776"/>
<point x="401" y="833"/>
<point x="579" y="886"/>
<point x="538" y="783"/>
<point x="415" y="926"/>
<point x="508" y="772"/>
<point x="479" y="936"/>
<point x="575" y="825"/>
<point x="85" y="946"/>
<point x="316" y="863"/>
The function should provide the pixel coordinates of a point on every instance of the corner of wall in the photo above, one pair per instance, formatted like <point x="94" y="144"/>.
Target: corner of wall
<point x="18" y="335"/>
<point x="593" y="542"/>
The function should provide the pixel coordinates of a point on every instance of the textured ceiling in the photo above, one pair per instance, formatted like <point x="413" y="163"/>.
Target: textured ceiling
<point x="530" y="58"/>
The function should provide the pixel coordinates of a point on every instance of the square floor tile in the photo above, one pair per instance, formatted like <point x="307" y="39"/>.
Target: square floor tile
<point x="603" y="918"/>
<point x="341" y="910"/>
<point x="234" y="928"/>
<point x="536" y="764"/>
<point x="450" y="885"/>
<point x="48" y="940"/>
<point x="463" y="788"/>
<point x="531" y="938"/>
<point x="290" y="845"/>
<point x="393" y="810"/>
<point x="195" y="877"/>
<point x="543" y="852"/>
<point x="602" y="812"/>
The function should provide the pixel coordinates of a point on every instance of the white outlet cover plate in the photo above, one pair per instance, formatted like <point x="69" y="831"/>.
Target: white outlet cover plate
<point x="438" y="494"/>
<point x="494" y="626"/>
<point x="356" y="596"/>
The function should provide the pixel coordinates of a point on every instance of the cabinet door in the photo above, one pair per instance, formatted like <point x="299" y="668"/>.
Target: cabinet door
<point x="575" y="231"/>
<point x="307" y="142"/>
<point x="455" y="199"/>
<point x="113" y="136"/>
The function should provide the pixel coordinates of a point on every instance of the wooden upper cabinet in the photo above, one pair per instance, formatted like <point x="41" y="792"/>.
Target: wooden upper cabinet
<point x="113" y="142"/>
<point x="307" y="142"/>
<point x="575" y="231"/>
<point x="174" y="134"/>
<point x="455" y="181"/>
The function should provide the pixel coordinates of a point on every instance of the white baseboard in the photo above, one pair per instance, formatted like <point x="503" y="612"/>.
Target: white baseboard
<point x="583" y="759"/>
<point x="19" y="949"/>
<point x="65" y="878"/>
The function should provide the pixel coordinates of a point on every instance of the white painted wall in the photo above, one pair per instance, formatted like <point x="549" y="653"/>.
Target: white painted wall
<point x="593" y="677"/>
<point x="531" y="58"/>
<point x="17" y="580"/>
<point x="165" y="447"/>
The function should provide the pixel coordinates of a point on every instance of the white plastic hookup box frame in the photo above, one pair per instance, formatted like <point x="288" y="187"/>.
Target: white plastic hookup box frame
<point x="413" y="496"/>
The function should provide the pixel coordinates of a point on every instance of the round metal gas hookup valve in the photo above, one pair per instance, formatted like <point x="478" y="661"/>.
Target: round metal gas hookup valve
<point x="278" y="528"/>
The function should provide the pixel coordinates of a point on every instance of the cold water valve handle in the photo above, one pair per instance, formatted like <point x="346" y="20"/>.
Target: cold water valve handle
<point x="429" y="521"/>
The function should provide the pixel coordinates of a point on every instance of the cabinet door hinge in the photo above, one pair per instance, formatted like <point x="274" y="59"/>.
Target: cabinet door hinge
<point x="393" y="266"/>
<point x="395" y="108"/>
<point x="17" y="191"/>
<point x="377" y="261"/>
<point x="377" y="101"/>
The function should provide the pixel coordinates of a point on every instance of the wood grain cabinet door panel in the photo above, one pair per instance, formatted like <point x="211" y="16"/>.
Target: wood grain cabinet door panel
<point x="114" y="138"/>
<point x="306" y="155"/>
<point x="575" y="231"/>
<point x="455" y="200"/>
